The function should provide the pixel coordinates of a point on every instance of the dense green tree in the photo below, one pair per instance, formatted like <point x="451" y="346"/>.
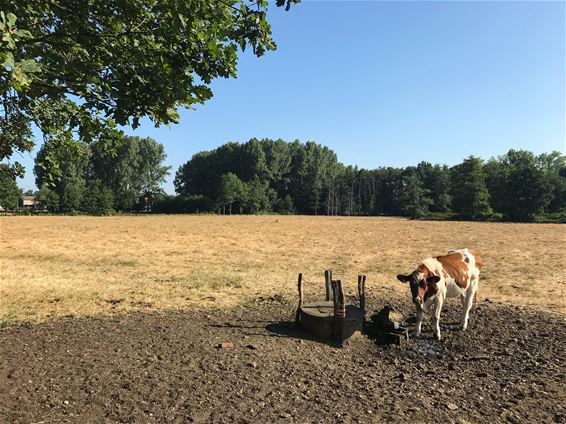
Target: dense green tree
<point x="77" y="66"/>
<point x="550" y="163"/>
<point x="526" y="191"/>
<point x="133" y="172"/>
<point x="414" y="197"/>
<point x="231" y="190"/>
<point x="163" y="203"/>
<point x="313" y="167"/>
<point x="97" y="199"/>
<point x="469" y="190"/>
<point x="496" y="182"/>
<point x="48" y="199"/>
<point x="347" y="186"/>
<point x="367" y="190"/>
<point x="72" y="165"/>
<point x="284" y="206"/>
<point x="302" y="171"/>
<point x="152" y="173"/>
<point x="553" y="168"/>
<point x="251" y="161"/>
<point x="307" y="178"/>
<point x="389" y="190"/>
<point x="278" y="161"/>
<point x="72" y="194"/>
<point x="10" y="193"/>
<point x="198" y="175"/>
<point x="436" y="180"/>
<point x="522" y="185"/>
<point x="257" y="197"/>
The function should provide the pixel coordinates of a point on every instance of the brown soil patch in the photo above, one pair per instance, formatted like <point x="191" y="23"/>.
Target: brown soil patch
<point x="157" y="368"/>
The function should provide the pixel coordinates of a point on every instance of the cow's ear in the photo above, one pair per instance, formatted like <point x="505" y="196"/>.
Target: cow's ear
<point x="404" y="278"/>
<point x="433" y="279"/>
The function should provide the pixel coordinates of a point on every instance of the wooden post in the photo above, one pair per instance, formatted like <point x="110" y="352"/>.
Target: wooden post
<point x="328" y="283"/>
<point x="300" y="287"/>
<point x="334" y="286"/>
<point x="362" y="295"/>
<point x="339" y="312"/>
<point x="364" y="287"/>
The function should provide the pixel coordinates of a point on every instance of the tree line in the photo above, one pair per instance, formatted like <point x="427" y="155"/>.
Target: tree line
<point x="262" y="176"/>
<point x="90" y="179"/>
<point x="276" y="176"/>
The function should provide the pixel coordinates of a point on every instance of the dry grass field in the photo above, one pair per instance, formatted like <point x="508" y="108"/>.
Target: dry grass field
<point x="59" y="266"/>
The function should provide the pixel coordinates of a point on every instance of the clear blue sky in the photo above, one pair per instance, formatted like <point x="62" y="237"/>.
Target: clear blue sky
<point x="391" y="84"/>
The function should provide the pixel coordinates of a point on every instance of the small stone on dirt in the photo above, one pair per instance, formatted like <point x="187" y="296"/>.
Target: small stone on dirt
<point x="225" y="345"/>
<point x="452" y="406"/>
<point x="252" y="347"/>
<point x="285" y="415"/>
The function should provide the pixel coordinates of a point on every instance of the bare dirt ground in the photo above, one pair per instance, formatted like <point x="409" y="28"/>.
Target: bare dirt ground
<point x="145" y="368"/>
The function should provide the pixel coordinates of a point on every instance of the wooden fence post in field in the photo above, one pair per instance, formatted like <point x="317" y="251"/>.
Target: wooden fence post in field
<point x="339" y="312"/>
<point x="328" y="283"/>
<point x="300" y="287"/>
<point x="362" y="295"/>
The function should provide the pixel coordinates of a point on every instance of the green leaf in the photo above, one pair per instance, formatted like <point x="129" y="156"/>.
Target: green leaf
<point x="7" y="59"/>
<point x="11" y="19"/>
<point x="29" y="66"/>
<point x="23" y="33"/>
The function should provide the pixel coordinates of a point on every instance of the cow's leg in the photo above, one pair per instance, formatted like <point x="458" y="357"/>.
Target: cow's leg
<point x="420" y="315"/>
<point x="436" y="316"/>
<point x="468" y="302"/>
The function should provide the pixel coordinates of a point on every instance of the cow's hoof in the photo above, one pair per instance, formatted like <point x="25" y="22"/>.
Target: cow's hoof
<point x="415" y="334"/>
<point x="437" y="337"/>
<point x="463" y="327"/>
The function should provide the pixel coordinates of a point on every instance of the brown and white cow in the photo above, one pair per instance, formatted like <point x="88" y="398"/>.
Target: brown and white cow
<point x="435" y="279"/>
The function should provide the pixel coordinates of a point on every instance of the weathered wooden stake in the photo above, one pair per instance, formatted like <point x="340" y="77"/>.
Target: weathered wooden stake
<point x="334" y="286"/>
<point x="362" y="295"/>
<point x="328" y="283"/>
<point x="300" y="287"/>
<point x="339" y="312"/>
<point x="364" y="287"/>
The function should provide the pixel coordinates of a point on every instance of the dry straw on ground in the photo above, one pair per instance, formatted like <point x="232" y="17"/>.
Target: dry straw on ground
<point x="56" y="266"/>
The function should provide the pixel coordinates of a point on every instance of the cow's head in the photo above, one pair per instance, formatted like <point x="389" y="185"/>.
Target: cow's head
<point x="422" y="283"/>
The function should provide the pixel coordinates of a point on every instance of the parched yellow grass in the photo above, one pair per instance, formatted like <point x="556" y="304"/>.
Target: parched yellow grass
<point x="56" y="266"/>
